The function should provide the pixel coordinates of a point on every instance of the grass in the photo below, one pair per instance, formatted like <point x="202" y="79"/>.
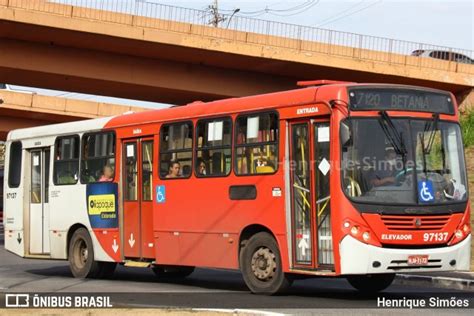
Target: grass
<point x="467" y="125"/>
<point x="470" y="173"/>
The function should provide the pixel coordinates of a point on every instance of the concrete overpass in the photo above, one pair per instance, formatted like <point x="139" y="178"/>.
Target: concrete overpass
<point x="21" y="110"/>
<point x="79" y="49"/>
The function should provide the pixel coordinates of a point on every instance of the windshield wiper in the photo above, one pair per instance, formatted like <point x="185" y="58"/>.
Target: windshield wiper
<point x="431" y="128"/>
<point x="394" y="136"/>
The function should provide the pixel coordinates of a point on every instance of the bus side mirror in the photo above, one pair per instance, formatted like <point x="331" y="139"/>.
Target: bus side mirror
<point x="345" y="134"/>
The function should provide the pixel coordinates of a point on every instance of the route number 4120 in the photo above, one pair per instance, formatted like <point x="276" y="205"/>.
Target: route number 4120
<point x="435" y="236"/>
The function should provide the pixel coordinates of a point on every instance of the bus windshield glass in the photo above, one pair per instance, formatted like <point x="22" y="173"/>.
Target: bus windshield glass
<point x="413" y="162"/>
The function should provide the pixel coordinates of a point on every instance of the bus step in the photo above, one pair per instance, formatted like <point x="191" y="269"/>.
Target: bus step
<point x="137" y="264"/>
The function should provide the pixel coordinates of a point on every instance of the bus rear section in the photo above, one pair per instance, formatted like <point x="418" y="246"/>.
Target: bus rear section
<point x="45" y="196"/>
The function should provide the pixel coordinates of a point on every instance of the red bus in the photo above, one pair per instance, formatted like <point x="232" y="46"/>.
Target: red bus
<point x="332" y="179"/>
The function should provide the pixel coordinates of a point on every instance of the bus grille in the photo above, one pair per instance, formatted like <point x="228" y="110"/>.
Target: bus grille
<point x="403" y="264"/>
<point x="393" y="222"/>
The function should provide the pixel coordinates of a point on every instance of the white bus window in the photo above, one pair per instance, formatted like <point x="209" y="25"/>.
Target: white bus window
<point x="256" y="148"/>
<point x="36" y="177"/>
<point x="176" y="150"/>
<point x="214" y="153"/>
<point x="14" y="170"/>
<point x="98" y="157"/>
<point x="66" y="160"/>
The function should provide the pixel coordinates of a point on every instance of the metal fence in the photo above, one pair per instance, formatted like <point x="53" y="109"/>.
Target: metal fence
<point x="256" y="31"/>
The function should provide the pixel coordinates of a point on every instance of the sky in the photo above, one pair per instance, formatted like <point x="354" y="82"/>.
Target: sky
<point x="440" y="22"/>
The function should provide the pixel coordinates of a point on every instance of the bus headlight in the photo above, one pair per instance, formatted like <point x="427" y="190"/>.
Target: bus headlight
<point x="360" y="232"/>
<point x="466" y="229"/>
<point x="366" y="236"/>
<point x="462" y="231"/>
<point x="354" y="230"/>
<point x="458" y="234"/>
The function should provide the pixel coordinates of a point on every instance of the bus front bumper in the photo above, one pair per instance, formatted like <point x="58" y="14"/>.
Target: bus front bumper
<point x="360" y="258"/>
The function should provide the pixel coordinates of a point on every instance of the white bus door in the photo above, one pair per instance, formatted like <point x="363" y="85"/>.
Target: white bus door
<point x="39" y="201"/>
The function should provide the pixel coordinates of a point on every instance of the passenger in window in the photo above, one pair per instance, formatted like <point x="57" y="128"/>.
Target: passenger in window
<point x="264" y="166"/>
<point x="174" y="168"/>
<point x="107" y="174"/>
<point x="202" y="168"/>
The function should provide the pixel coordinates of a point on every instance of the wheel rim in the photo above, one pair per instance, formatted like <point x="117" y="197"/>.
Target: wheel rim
<point x="81" y="253"/>
<point x="264" y="264"/>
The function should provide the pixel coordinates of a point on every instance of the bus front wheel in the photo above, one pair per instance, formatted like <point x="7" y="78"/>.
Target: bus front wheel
<point x="371" y="283"/>
<point x="260" y="263"/>
<point x="81" y="256"/>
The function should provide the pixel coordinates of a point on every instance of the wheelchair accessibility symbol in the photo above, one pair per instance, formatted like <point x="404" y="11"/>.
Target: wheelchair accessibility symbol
<point x="425" y="191"/>
<point x="160" y="194"/>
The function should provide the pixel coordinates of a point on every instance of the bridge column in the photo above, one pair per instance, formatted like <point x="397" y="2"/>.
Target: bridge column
<point x="466" y="100"/>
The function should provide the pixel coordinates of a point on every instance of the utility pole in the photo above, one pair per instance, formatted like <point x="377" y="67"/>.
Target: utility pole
<point x="216" y="18"/>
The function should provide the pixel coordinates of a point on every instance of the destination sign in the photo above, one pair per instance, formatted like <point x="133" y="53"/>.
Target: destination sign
<point x="385" y="99"/>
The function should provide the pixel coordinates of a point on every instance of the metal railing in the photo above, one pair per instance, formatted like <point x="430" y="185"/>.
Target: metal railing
<point x="250" y="30"/>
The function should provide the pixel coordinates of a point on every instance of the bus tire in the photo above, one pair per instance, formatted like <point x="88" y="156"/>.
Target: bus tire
<point x="371" y="283"/>
<point x="260" y="263"/>
<point x="172" y="271"/>
<point x="81" y="256"/>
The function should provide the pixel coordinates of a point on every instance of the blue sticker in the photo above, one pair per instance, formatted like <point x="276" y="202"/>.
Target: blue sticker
<point x="102" y="202"/>
<point x="160" y="194"/>
<point x="425" y="191"/>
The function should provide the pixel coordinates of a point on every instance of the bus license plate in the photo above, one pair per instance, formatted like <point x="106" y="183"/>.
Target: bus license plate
<point x="418" y="260"/>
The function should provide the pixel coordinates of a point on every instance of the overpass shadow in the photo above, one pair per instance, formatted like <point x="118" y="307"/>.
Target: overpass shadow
<point x="213" y="279"/>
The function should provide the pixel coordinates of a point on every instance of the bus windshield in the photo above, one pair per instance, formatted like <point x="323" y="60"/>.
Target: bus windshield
<point x="414" y="162"/>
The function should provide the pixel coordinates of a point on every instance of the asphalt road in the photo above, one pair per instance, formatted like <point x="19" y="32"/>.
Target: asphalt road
<point x="205" y="288"/>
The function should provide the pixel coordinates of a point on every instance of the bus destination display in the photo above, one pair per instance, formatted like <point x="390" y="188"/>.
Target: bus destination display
<point x="400" y="100"/>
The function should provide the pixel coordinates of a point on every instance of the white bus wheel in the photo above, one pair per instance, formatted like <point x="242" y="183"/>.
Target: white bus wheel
<point x="81" y="255"/>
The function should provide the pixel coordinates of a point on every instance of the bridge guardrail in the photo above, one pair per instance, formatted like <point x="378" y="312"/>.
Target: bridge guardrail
<point x="251" y="30"/>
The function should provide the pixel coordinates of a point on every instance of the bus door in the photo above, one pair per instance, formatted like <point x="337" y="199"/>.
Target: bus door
<point x="138" y="198"/>
<point x="39" y="201"/>
<point x="309" y="176"/>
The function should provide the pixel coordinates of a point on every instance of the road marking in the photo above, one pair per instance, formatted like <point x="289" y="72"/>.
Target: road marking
<point x="239" y="311"/>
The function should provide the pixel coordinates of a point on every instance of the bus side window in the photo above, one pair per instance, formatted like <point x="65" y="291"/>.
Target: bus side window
<point x="213" y="147"/>
<point x="66" y="160"/>
<point x="176" y="150"/>
<point x="256" y="148"/>
<point x="98" y="157"/>
<point x="14" y="169"/>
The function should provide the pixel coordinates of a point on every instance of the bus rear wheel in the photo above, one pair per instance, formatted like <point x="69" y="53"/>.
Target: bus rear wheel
<point x="260" y="263"/>
<point x="172" y="271"/>
<point x="81" y="256"/>
<point x="371" y="283"/>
